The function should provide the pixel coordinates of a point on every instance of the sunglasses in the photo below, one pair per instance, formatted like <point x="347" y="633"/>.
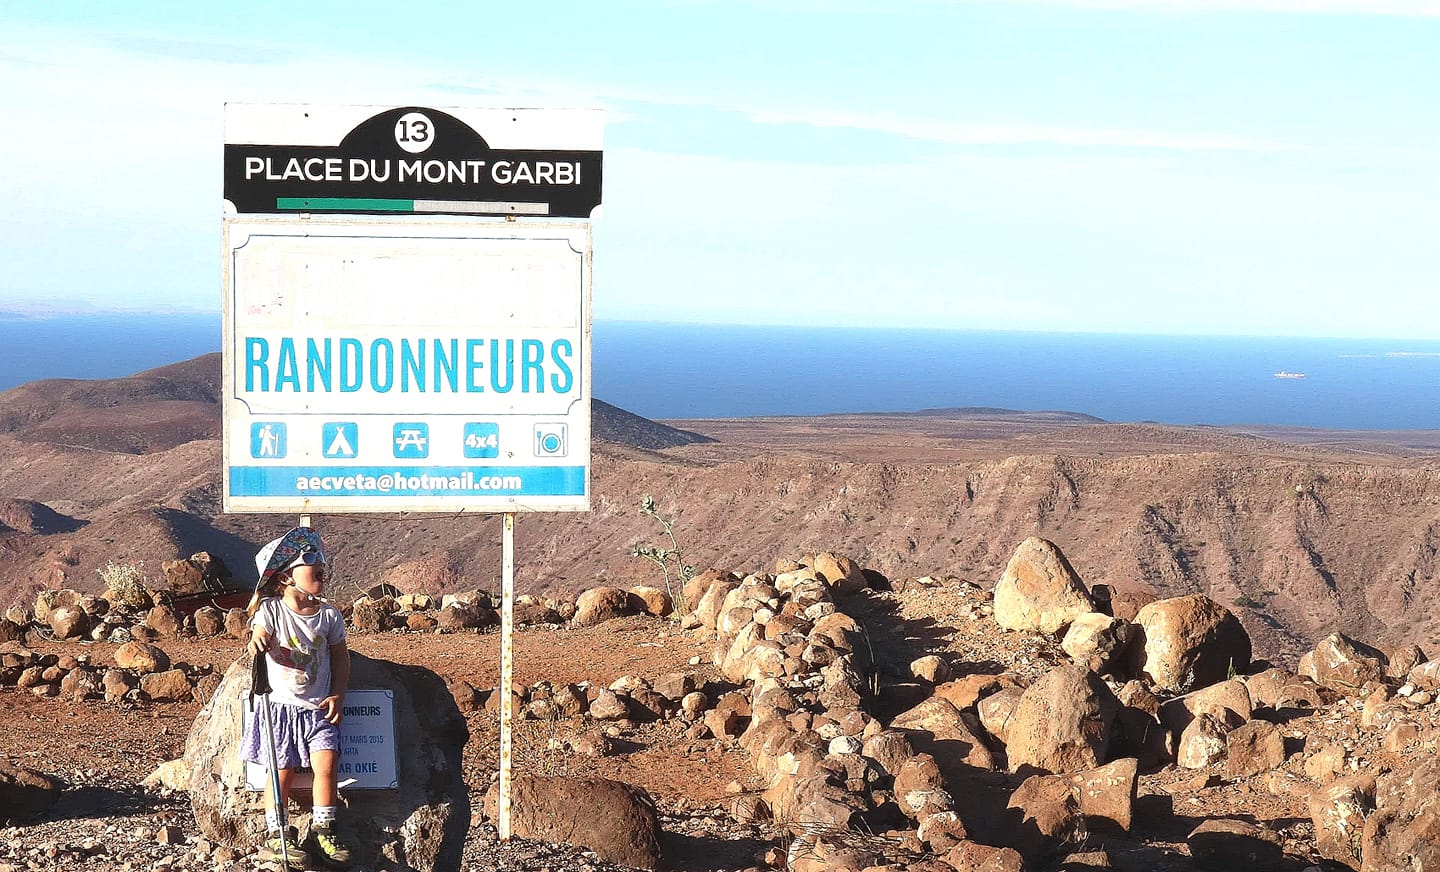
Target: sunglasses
<point x="311" y="558"/>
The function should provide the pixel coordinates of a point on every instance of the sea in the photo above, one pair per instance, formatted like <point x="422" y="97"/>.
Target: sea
<point x="670" y="371"/>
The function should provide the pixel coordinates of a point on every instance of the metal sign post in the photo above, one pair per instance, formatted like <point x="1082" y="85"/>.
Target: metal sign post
<point x="407" y="318"/>
<point x="507" y="663"/>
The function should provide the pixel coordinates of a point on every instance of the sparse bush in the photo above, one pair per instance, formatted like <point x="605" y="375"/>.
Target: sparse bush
<point x="125" y="585"/>
<point x="668" y="559"/>
<point x="1246" y="602"/>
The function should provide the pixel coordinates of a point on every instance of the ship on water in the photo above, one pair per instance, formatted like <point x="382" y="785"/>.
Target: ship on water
<point x="1283" y="374"/>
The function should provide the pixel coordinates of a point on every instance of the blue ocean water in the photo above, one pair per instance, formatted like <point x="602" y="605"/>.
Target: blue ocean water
<point x="100" y="346"/>
<point x="697" y="371"/>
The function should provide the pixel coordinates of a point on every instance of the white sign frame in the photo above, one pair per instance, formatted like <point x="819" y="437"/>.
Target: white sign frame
<point x="537" y="440"/>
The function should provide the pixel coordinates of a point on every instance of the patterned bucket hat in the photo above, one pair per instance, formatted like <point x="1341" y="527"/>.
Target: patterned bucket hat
<point x="284" y="552"/>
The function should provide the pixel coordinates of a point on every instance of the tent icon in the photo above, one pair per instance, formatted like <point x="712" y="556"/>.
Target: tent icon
<point x="340" y="439"/>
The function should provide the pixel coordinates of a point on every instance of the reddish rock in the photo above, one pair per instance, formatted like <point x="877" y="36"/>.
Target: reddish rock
<point x="1253" y="748"/>
<point x="1106" y="794"/>
<point x="1344" y="665"/>
<point x="599" y="604"/>
<point x="1225" y="845"/>
<point x="1338" y="812"/>
<point x="1044" y="819"/>
<point x="1039" y="590"/>
<point x="937" y="727"/>
<point x="889" y="749"/>
<point x="209" y="621"/>
<point x="920" y="787"/>
<point x="69" y="622"/>
<point x="165" y="621"/>
<point x="171" y="685"/>
<point x="996" y="709"/>
<point x="1062" y="723"/>
<point x="237" y="623"/>
<point x="1403" y="833"/>
<point x="1203" y="743"/>
<point x="1189" y="642"/>
<point x="1098" y="642"/>
<point x="25" y="793"/>
<point x="651" y="601"/>
<point x="841" y="573"/>
<point x="974" y="857"/>
<point x="142" y="657"/>
<point x="615" y="820"/>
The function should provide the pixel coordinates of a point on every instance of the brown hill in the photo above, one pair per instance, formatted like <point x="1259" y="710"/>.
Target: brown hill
<point x="1299" y="539"/>
<point x="161" y="408"/>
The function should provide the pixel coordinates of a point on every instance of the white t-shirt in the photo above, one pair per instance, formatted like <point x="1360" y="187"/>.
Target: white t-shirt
<point x="299" y="651"/>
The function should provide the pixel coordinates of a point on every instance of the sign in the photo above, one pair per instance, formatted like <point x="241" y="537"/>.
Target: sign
<point x="403" y="362"/>
<point x="411" y="160"/>
<point x="367" y="745"/>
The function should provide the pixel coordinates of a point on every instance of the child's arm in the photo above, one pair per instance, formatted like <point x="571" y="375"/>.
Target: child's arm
<point x="259" y="633"/>
<point x="333" y="704"/>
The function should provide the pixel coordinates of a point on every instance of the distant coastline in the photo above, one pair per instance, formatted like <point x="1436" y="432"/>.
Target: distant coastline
<point x="680" y="371"/>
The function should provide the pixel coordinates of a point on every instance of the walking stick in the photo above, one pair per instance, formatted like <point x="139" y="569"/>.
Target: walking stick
<point x="260" y="686"/>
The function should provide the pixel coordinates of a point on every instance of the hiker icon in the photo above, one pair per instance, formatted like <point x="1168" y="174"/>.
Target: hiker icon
<point x="267" y="439"/>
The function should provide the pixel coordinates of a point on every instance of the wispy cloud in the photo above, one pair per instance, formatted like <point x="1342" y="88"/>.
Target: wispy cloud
<point x="1403" y="8"/>
<point x="1023" y="134"/>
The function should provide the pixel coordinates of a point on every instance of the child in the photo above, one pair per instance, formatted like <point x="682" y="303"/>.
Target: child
<point x="303" y="638"/>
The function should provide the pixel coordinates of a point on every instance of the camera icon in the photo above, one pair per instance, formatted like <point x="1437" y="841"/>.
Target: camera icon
<point x="551" y="440"/>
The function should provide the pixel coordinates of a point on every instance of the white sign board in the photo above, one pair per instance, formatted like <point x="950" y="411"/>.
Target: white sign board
<point x="382" y="367"/>
<point x="367" y="745"/>
<point x="390" y="345"/>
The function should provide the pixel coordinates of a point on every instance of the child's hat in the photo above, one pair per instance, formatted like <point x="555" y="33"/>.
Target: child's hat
<point x="287" y="551"/>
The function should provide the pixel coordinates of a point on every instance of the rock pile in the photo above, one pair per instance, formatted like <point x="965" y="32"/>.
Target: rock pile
<point x="141" y="673"/>
<point x="948" y="763"/>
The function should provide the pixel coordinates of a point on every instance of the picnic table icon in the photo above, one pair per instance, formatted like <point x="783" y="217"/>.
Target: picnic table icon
<point x="412" y="440"/>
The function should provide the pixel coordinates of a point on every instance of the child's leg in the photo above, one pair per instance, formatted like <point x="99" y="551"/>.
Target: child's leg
<point x="325" y="840"/>
<point x="325" y="766"/>
<point x="272" y="812"/>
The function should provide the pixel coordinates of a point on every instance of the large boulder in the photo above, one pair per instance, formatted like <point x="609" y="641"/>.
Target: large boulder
<point x="1403" y="833"/>
<point x="141" y="657"/>
<point x="1062" y="723"/>
<point x="600" y="604"/>
<point x="1225" y="845"/>
<point x="1107" y="794"/>
<point x="1252" y="748"/>
<point x="841" y="573"/>
<point x="1338" y="812"/>
<point x="1189" y="642"/>
<point x="421" y="825"/>
<point x="936" y="727"/>
<point x="615" y="820"/>
<point x="1098" y="642"/>
<point x="1039" y="590"/>
<point x="1043" y="819"/>
<point x="1342" y="664"/>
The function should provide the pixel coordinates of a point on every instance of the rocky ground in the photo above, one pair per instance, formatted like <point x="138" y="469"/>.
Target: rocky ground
<point x="108" y="817"/>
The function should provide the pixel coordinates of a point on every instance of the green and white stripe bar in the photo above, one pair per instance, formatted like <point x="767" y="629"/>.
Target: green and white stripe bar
<point x="372" y="204"/>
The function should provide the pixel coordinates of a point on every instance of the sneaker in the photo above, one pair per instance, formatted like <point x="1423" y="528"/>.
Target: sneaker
<point x="325" y="843"/>
<point x="271" y="851"/>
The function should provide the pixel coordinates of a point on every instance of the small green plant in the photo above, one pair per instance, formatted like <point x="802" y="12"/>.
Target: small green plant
<point x="125" y="583"/>
<point x="1246" y="602"/>
<point x="670" y="560"/>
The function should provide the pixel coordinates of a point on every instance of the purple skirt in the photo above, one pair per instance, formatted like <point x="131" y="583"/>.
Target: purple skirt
<point x="298" y="732"/>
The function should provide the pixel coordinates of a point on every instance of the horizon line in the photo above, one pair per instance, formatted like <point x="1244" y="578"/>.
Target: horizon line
<point x="9" y="312"/>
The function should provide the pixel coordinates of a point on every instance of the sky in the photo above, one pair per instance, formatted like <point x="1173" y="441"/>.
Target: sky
<point x="1231" y="167"/>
